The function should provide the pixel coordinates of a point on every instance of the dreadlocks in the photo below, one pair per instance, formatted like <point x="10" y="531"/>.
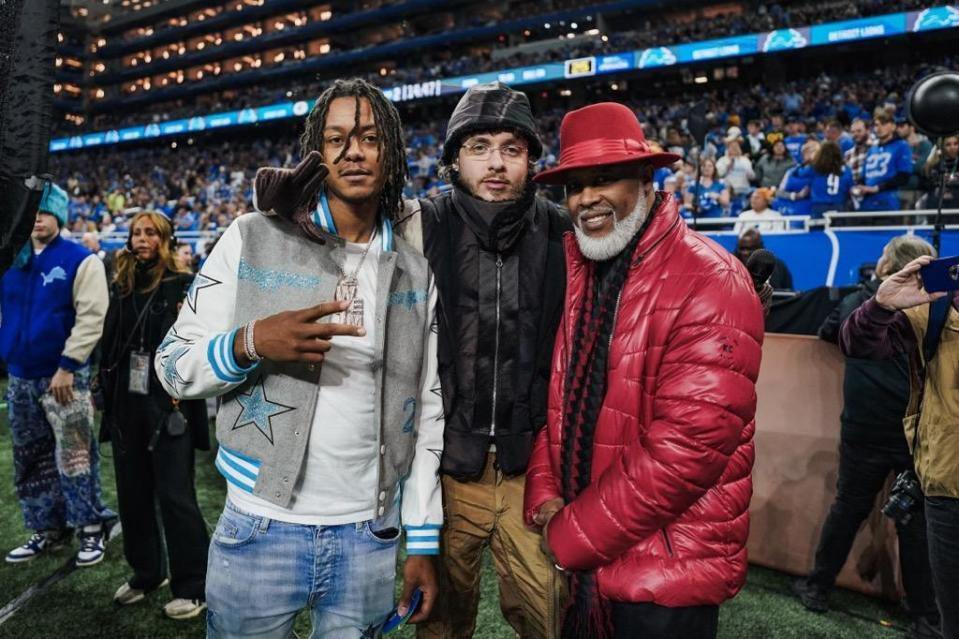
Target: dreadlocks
<point x="390" y="144"/>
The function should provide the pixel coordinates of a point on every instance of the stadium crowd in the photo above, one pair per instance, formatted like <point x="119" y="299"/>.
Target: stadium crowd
<point x="801" y="149"/>
<point x="628" y="33"/>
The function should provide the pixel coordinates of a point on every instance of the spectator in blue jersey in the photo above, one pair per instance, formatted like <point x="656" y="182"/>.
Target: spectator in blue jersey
<point x="772" y="167"/>
<point x="660" y="176"/>
<point x="710" y="194"/>
<point x="792" y="196"/>
<point x="795" y="138"/>
<point x="186" y="220"/>
<point x="830" y="180"/>
<point x="836" y="133"/>
<point x="887" y="168"/>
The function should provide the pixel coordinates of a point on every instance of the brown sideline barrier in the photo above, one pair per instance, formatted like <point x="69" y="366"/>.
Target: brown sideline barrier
<point x="797" y="458"/>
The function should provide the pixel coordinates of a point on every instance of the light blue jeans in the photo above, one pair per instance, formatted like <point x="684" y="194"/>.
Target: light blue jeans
<point x="261" y="573"/>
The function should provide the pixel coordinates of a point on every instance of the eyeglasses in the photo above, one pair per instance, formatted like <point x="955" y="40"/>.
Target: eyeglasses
<point x="483" y="151"/>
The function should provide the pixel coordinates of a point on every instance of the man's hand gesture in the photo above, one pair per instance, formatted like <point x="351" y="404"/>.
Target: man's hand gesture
<point x="296" y="336"/>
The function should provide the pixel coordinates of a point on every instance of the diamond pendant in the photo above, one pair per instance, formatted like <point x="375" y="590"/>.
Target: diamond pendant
<point x="346" y="291"/>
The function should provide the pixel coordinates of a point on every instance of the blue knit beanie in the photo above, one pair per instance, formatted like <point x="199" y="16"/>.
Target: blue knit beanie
<point x="54" y="202"/>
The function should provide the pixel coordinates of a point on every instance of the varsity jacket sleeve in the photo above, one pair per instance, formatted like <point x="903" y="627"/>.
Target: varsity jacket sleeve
<point x="90" y="301"/>
<point x="422" y="506"/>
<point x="195" y="359"/>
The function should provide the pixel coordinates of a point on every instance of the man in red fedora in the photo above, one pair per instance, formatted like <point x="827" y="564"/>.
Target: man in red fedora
<point x="641" y="480"/>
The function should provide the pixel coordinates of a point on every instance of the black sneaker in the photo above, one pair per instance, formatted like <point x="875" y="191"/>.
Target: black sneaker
<point x="813" y="598"/>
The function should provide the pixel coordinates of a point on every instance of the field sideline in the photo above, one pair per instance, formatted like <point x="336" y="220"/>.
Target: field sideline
<point x="80" y="604"/>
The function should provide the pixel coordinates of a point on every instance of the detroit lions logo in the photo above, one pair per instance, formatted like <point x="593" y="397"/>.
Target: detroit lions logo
<point x="658" y="57"/>
<point x="936" y="18"/>
<point x="56" y="273"/>
<point x="784" y="39"/>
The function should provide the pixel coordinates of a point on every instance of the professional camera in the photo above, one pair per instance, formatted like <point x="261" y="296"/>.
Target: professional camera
<point x="906" y="495"/>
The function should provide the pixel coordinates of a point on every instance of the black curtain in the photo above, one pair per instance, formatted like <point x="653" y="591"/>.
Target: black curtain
<point x="28" y="38"/>
<point x="804" y="313"/>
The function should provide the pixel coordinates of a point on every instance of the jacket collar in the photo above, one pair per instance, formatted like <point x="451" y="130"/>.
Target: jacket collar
<point x="324" y="221"/>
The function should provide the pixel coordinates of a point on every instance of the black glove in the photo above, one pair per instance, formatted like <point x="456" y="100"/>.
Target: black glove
<point x="286" y="192"/>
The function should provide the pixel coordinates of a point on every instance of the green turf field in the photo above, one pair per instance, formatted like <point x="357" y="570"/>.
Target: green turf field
<point x="81" y="605"/>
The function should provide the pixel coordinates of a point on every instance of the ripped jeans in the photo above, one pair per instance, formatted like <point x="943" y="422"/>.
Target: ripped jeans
<point x="56" y="471"/>
<point x="262" y="572"/>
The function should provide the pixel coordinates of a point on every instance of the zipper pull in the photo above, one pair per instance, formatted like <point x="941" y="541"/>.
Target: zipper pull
<point x="499" y="261"/>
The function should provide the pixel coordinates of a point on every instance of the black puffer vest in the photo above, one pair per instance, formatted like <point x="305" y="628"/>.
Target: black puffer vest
<point x="498" y="314"/>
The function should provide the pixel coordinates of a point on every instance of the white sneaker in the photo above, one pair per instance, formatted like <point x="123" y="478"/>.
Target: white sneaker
<point x="39" y="543"/>
<point x="184" y="608"/>
<point x="92" y="548"/>
<point x="126" y="594"/>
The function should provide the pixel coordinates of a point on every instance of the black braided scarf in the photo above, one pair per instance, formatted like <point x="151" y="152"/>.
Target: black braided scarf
<point x="588" y="615"/>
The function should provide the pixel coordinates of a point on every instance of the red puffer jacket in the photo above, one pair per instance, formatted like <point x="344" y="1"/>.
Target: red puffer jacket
<point x="665" y="517"/>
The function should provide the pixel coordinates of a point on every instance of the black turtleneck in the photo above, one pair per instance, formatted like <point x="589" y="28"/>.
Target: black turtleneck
<point x="496" y="225"/>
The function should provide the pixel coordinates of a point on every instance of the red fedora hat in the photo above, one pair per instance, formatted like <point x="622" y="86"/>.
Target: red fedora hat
<point x="598" y="135"/>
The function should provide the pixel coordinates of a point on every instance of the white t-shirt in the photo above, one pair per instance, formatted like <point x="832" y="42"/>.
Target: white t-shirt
<point x="338" y="484"/>
<point x="765" y="222"/>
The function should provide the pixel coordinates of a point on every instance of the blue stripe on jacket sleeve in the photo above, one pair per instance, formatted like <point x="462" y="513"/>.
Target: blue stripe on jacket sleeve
<point x="215" y="355"/>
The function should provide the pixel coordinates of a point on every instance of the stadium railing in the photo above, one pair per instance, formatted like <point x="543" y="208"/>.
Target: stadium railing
<point x="818" y="252"/>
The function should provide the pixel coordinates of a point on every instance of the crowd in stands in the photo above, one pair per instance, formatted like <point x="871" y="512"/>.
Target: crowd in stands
<point x="829" y="144"/>
<point x="630" y="32"/>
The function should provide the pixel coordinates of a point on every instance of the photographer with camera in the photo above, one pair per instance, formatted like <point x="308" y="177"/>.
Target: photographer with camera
<point x="903" y="319"/>
<point x="872" y="444"/>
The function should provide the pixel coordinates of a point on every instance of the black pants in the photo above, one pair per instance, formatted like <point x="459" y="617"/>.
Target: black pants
<point x="942" y="520"/>
<point x="159" y="481"/>
<point x="863" y="470"/>
<point x="651" y="621"/>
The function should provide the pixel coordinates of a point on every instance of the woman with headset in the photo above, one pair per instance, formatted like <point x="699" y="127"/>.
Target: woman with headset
<point x="153" y="436"/>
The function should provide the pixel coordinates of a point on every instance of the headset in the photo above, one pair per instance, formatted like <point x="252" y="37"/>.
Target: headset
<point x="173" y="239"/>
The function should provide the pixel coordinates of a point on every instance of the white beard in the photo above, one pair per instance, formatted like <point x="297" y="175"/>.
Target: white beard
<point x="600" y="249"/>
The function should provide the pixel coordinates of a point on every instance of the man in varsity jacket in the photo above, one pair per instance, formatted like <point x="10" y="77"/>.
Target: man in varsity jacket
<point x="314" y="323"/>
